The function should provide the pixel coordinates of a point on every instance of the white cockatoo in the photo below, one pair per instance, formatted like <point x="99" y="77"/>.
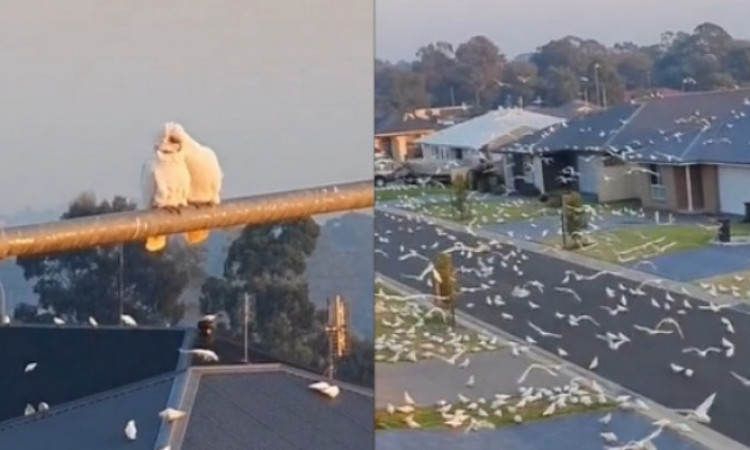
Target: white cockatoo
<point x="205" y="174"/>
<point x="165" y="182"/>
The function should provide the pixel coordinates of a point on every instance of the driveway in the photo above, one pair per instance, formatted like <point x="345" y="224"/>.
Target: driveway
<point x="568" y="433"/>
<point x="431" y="380"/>
<point x="708" y="262"/>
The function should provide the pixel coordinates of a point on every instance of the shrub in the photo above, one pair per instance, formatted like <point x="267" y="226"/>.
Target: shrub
<point x="446" y="288"/>
<point x="575" y="217"/>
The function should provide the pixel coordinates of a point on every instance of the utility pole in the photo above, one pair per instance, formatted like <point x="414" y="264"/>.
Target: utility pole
<point x="121" y="282"/>
<point x="246" y="319"/>
<point x="596" y="83"/>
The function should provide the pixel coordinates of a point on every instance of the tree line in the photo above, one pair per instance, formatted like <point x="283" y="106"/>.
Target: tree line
<point x="268" y="263"/>
<point x="476" y="72"/>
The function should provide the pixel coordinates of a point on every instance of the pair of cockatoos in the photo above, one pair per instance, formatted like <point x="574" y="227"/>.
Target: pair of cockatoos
<point x="181" y="173"/>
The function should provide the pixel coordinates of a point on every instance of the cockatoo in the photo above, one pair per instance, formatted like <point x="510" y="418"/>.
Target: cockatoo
<point x="165" y="182"/>
<point x="205" y="175"/>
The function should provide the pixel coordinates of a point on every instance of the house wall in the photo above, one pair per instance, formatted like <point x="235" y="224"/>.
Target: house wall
<point x="615" y="183"/>
<point x="397" y="145"/>
<point x="643" y="185"/>
<point x="710" y="178"/>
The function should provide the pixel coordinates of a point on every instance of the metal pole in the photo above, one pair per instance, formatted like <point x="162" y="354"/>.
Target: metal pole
<point x="2" y="291"/>
<point x="133" y="226"/>
<point x="246" y="320"/>
<point x="121" y="282"/>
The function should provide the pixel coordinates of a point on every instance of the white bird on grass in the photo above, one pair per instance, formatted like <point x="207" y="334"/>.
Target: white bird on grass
<point x="165" y="182"/>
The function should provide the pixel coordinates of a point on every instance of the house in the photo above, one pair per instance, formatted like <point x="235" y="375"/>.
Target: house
<point x="97" y="379"/>
<point x="396" y="135"/>
<point x="537" y="160"/>
<point x="469" y="142"/>
<point x="684" y="153"/>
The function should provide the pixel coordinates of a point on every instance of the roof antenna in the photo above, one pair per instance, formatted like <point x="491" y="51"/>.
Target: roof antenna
<point x="338" y="333"/>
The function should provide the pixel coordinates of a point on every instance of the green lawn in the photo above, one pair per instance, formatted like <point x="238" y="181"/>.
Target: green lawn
<point x="417" y="334"/>
<point x="408" y="192"/>
<point x="490" y="212"/>
<point x="430" y="418"/>
<point x="736" y="284"/>
<point x="628" y="245"/>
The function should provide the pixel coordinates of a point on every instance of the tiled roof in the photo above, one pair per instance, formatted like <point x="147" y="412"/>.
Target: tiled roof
<point x="270" y="407"/>
<point x="94" y="423"/>
<point x="705" y="127"/>
<point x="77" y="362"/>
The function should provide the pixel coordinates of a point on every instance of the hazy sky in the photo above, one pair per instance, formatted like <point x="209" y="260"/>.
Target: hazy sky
<point x="280" y="89"/>
<point x="519" y="26"/>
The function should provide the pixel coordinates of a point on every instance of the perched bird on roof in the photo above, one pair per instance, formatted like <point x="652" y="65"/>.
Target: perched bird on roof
<point x="205" y="175"/>
<point x="131" y="432"/>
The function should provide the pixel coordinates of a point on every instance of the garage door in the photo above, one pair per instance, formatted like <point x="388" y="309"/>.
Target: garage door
<point x="588" y="178"/>
<point x="734" y="189"/>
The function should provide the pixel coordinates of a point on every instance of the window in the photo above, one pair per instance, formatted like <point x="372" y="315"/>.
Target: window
<point x="459" y="153"/>
<point x="658" y="192"/>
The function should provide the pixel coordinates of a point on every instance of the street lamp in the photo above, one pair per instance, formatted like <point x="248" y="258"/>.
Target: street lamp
<point x="596" y="82"/>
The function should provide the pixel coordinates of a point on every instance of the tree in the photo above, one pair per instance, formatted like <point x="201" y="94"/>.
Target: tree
<point x="460" y="203"/>
<point x="561" y="85"/>
<point x="480" y="65"/>
<point x="446" y="286"/>
<point x="521" y="81"/>
<point x="574" y="219"/>
<point x="268" y="264"/>
<point x="83" y="284"/>
<point x="437" y="64"/>
<point x="399" y="90"/>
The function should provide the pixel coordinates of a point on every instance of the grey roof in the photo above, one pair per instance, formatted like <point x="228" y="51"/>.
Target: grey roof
<point x="270" y="407"/>
<point x="94" y="423"/>
<point x="704" y="127"/>
<point x="589" y="132"/>
<point x="575" y="108"/>
<point x="77" y="362"/>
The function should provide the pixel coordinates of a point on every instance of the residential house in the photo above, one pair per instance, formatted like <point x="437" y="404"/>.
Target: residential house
<point x="97" y="379"/>
<point x="686" y="153"/>
<point x="471" y="141"/>
<point x="396" y="135"/>
<point x="538" y="161"/>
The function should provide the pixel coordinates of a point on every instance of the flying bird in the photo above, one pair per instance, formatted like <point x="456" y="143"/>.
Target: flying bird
<point x="165" y="182"/>
<point x="202" y="354"/>
<point x="205" y="175"/>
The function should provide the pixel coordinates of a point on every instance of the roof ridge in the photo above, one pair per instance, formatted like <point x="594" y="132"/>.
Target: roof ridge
<point x="633" y="115"/>
<point x="275" y="367"/>
<point x="84" y="401"/>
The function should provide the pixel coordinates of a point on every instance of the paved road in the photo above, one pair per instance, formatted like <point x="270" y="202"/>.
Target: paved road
<point x="570" y="433"/>
<point x="431" y="380"/>
<point x="641" y="365"/>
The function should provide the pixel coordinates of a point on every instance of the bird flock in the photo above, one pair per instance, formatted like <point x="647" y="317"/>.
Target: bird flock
<point x="500" y="273"/>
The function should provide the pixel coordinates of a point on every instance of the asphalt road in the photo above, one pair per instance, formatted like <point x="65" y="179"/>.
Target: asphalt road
<point x="641" y="365"/>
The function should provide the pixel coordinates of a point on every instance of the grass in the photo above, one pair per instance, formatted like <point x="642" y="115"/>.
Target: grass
<point x="736" y="284"/>
<point x="491" y="212"/>
<point x="408" y="192"/>
<point x="628" y="245"/>
<point x="431" y="419"/>
<point x="422" y="336"/>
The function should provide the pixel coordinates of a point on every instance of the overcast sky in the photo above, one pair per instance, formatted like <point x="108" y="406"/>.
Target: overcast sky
<point x="519" y="26"/>
<point x="281" y="90"/>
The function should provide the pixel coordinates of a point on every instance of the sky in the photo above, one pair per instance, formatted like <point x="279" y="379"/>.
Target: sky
<point x="402" y="26"/>
<point x="280" y="90"/>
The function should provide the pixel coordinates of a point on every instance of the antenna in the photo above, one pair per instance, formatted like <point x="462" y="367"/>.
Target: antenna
<point x="339" y="342"/>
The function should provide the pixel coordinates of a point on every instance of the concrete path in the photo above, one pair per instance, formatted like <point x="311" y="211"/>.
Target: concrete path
<point x="432" y="380"/>
<point x="708" y="262"/>
<point x="567" y="433"/>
